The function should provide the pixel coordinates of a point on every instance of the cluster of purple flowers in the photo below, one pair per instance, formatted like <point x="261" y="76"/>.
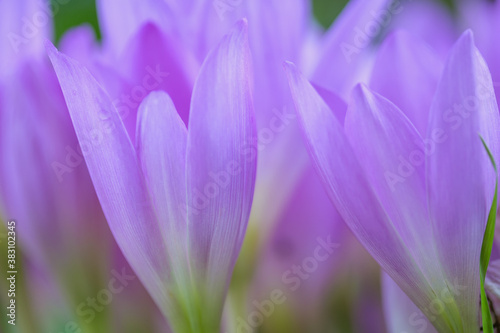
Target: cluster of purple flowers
<point x="199" y="132"/>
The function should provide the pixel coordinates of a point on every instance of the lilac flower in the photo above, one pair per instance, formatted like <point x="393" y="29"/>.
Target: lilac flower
<point x="419" y="206"/>
<point x="178" y="200"/>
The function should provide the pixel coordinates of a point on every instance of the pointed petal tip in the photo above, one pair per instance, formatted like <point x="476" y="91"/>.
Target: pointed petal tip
<point x="241" y="27"/>
<point x="361" y="92"/>
<point x="468" y="34"/>
<point x="294" y="76"/>
<point x="466" y="40"/>
<point x="400" y="38"/>
<point x="290" y="68"/>
<point x="363" y="99"/>
<point x="156" y="97"/>
<point x="149" y="28"/>
<point x="150" y="25"/>
<point x="155" y="101"/>
<point x="243" y="23"/>
<point x="237" y="37"/>
<point x="49" y="47"/>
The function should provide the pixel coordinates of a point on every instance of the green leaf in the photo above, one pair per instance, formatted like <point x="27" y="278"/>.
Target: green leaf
<point x="486" y="251"/>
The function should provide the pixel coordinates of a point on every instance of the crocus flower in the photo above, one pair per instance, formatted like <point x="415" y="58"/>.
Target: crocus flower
<point x="178" y="200"/>
<point x="419" y="206"/>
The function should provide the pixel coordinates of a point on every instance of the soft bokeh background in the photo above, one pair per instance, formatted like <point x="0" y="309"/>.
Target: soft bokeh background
<point x="77" y="12"/>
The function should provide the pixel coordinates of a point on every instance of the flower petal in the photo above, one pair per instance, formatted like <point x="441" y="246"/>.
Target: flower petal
<point x="391" y="152"/>
<point x="403" y="63"/>
<point x="350" y="191"/>
<point x="115" y="172"/>
<point x="429" y="20"/>
<point x="153" y="60"/>
<point x="401" y="314"/>
<point x="334" y="102"/>
<point x="121" y="19"/>
<point x="221" y="163"/>
<point x="80" y="43"/>
<point x="460" y="177"/>
<point x="161" y="146"/>
<point x="482" y="18"/>
<point x="347" y="44"/>
<point x="23" y="27"/>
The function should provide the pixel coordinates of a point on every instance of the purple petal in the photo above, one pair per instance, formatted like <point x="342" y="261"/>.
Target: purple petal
<point x="350" y="191"/>
<point x="391" y="152"/>
<point x="482" y="18"/>
<point x="221" y="162"/>
<point x="153" y="60"/>
<point x="115" y="172"/>
<point x="80" y="43"/>
<point x="403" y="63"/>
<point x="348" y="43"/>
<point x="430" y="21"/>
<point x="277" y="32"/>
<point x="43" y="180"/>
<point x="460" y="177"/>
<point x="161" y="146"/>
<point x="23" y="27"/>
<point x="401" y="314"/>
<point x="121" y="19"/>
<point x="334" y="102"/>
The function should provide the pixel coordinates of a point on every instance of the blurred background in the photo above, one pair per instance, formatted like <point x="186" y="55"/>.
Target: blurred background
<point x="77" y="12"/>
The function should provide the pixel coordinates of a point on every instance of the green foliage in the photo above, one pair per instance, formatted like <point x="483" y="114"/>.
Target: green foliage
<point x="74" y="13"/>
<point x="486" y="251"/>
<point x="326" y="11"/>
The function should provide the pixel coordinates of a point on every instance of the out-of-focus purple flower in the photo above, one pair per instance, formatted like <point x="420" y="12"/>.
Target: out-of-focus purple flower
<point x="178" y="200"/>
<point x="430" y="21"/>
<point x="302" y="253"/>
<point x="45" y="185"/>
<point x="437" y="26"/>
<point x="347" y="48"/>
<point x="62" y="233"/>
<point x="418" y="205"/>
<point x="402" y="60"/>
<point x="24" y="26"/>
<point x="483" y="18"/>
